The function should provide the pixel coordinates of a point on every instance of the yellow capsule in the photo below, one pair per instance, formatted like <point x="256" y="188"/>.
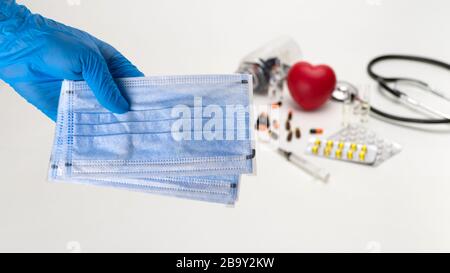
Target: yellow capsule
<point x="341" y="145"/>
<point x="362" y="156"/>
<point x="330" y="143"/>
<point x="350" y="154"/>
<point x="364" y="148"/>
<point x="315" y="149"/>
<point x="339" y="153"/>
<point x="353" y="147"/>
<point x="327" y="151"/>
<point x="317" y="142"/>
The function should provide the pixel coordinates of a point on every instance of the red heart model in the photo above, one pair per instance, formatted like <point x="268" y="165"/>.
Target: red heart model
<point x="311" y="86"/>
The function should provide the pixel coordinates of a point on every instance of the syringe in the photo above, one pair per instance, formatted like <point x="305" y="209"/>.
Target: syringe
<point x="305" y="165"/>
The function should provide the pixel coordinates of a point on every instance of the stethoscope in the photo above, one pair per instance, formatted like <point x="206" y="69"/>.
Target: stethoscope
<point x="345" y="91"/>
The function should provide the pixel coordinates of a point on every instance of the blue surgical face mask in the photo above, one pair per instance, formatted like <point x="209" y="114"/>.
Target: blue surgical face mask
<point x="186" y="136"/>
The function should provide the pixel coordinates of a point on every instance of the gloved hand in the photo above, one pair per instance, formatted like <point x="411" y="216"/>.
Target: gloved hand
<point x="37" y="53"/>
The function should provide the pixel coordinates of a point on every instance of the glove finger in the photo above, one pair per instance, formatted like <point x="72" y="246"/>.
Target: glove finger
<point x="96" y="74"/>
<point x="119" y="66"/>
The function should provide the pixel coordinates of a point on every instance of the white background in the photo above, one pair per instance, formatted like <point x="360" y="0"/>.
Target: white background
<point x="402" y="205"/>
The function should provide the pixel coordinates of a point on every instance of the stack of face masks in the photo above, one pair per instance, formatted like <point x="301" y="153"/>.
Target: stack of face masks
<point x="184" y="136"/>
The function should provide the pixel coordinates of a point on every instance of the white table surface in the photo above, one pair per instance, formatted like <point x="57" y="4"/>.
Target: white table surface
<point x="402" y="205"/>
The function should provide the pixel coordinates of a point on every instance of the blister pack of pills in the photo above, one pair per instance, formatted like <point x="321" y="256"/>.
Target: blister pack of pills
<point x="361" y="135"/>
<point x="340" y="150"/>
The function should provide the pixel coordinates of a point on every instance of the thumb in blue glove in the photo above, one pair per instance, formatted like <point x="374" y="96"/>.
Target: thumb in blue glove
<point x="37" y="54"/>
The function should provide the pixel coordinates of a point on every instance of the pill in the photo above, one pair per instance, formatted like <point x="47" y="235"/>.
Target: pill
<point x="289" y="136"/>
<point x="263" y="122"/>
<point x="317" y="142"/>
<point x="298" y="133"/>
<point x="350" y="154"/>
<point x="341" y="145"/>
<point x="262" y="127"/>
<point x="362" y="156"/>
<point x="273" y="135"/>
<point x="364" y="148"/>
<point x="353" y="147"/>
<point x="316" y="131"/>
<point x="276" y="124"/>
<point x="327" y="151"/>
<point x="315" y="149"/>
<point x="338" y="153"/>
<point x="330" y="143"/>
<point x="290" y="113"/>
<point x="277" y="104"/>
<point x="288" y="126"/>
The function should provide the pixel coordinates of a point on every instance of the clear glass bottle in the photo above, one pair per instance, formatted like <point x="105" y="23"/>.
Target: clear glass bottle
<point x="270" y="64"/>
<point x="364" y="111"/>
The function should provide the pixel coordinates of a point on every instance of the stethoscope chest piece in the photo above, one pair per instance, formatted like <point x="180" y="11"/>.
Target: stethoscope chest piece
<point x="344" y="91"/>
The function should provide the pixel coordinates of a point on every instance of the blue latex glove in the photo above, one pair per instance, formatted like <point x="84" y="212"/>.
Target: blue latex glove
<point x="37" y="53"/>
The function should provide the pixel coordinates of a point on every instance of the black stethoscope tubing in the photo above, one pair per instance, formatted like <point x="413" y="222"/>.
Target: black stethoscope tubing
<point x="383" y="82"/>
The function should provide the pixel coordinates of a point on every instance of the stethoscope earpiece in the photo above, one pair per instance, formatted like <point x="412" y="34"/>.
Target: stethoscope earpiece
<point x="384" y="83"/>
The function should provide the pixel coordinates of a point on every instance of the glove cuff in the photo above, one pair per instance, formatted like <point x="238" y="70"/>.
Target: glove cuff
<point x="8" y="8"/>
<point x="12" y="16"/>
